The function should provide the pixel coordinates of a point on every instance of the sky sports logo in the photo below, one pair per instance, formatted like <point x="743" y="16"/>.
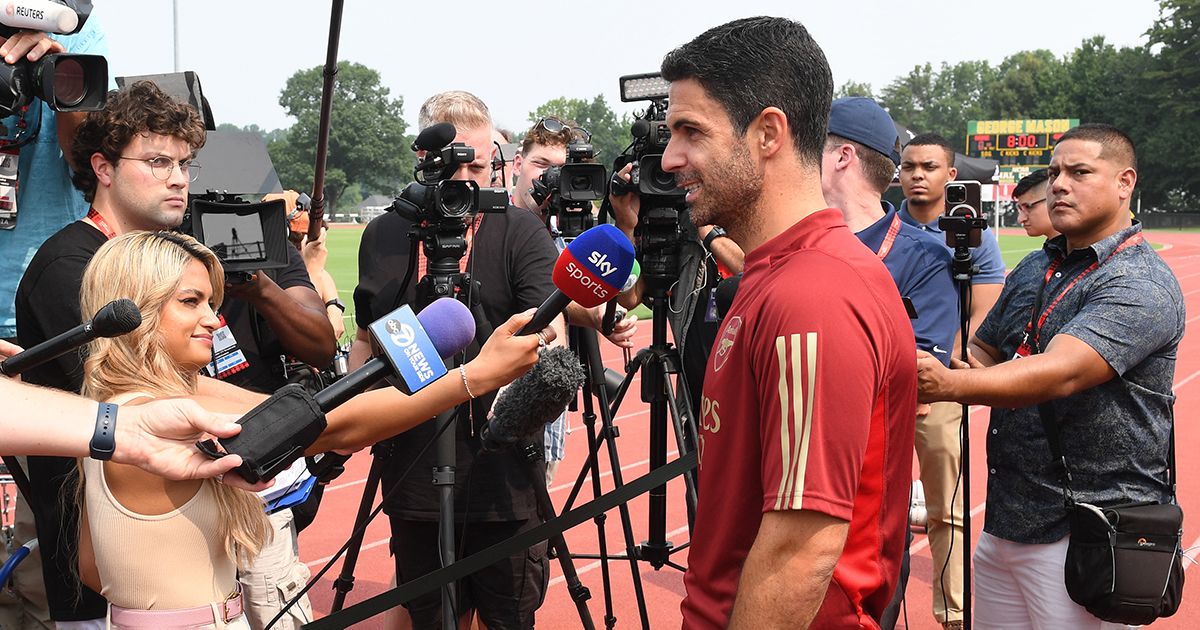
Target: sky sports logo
<point x="591" y="277"/>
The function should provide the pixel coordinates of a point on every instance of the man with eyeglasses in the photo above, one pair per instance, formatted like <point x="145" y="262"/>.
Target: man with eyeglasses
<point x="133" y="163"/>
<point x="1032" y="213"/>
<point x="544" y="147"/>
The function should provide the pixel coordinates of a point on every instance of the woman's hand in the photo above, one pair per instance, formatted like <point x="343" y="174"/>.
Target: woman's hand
<point x="505" y="356"/>
<point x="315" y="253"/>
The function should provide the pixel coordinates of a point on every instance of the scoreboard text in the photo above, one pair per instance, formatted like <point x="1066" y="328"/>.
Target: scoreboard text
<point x="1025" y="142"/>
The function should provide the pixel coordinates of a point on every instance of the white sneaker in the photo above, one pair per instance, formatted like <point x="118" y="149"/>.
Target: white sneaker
<point x="917" y="515"/>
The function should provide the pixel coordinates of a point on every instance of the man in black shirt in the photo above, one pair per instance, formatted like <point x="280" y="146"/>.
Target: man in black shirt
<point x="511" y="257"/>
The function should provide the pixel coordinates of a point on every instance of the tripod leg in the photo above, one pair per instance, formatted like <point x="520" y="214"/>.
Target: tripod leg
<point x="685" y="439"/>
<point x="443" y="478"/>
<point x="579" y="593"/>
<point x="608" y="433"/>
<point x="345" y="580"/>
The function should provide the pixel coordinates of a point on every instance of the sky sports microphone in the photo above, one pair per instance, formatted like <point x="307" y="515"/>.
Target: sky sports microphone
<point x="113" y="320"/>
<point x="44" y="15"/>
<point x="536" y="398"/>
<point x="276" y="432"/>
<point x="590" y="271"/>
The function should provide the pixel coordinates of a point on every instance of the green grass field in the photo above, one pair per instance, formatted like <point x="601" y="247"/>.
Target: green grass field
<point x="343" y="262"/>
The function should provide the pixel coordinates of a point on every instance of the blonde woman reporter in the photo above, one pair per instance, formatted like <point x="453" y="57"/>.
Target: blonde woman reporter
<point x="165" y="553"/>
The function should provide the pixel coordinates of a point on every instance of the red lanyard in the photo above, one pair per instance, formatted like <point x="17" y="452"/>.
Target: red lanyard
<point x="890" y="238"/>
<point x="101" y="224"/>
<point x="1133" y="239"/>
<point x="423" y="263"/>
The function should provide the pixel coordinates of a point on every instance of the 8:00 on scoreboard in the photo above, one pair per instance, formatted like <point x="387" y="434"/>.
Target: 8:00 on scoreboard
<point x="1016" y="141"/>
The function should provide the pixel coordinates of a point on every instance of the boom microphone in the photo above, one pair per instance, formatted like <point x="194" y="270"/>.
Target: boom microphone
<point x="434" y="137"/>
<point x="590" y="271"/>
<point x="113" y="320"/>
<point x="535" y="399"/>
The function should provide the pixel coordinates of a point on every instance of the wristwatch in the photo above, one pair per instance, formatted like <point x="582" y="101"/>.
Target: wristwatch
<point x="713" y="234"/>
<point x="104" y="436"/>
<point x="336" y="302"/>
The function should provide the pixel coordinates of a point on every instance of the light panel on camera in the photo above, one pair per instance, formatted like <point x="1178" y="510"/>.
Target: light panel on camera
<point x="643" y="87"/>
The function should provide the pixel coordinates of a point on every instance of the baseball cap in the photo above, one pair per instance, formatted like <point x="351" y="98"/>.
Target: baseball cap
<point x="862" y="120"/>
<point x="297" y="215"/>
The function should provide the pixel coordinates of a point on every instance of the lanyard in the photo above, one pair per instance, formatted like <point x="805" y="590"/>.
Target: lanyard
<point x="1032" y="334"/>
<point x="890" y="238"/>
<point x="101" y="224"/>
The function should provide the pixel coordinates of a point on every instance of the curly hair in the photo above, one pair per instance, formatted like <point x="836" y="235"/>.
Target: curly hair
<point x="140" y="108"/>
<point x="538" y="134"/>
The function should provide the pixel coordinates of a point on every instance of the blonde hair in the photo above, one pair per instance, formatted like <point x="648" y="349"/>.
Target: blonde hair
<point x="461" y="109"/>
<point x="146" y="267"/>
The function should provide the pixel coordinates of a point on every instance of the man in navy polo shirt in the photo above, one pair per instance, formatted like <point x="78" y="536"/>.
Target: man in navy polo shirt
<point x="861" y="153"/>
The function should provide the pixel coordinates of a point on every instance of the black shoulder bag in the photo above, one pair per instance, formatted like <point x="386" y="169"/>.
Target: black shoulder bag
<point x="1124" y="562"/>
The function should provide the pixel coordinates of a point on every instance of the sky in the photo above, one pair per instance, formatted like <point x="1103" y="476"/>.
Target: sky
<point x="516" y="55"/>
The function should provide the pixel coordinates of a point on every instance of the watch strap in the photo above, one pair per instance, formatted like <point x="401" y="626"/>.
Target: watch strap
<point x="104" y="436"/>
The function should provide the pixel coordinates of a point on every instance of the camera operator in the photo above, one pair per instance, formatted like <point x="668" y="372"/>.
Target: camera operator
<point x="926" y="164"/>
<point x="511" y="256"/>
<point x="545" y="147"/>
<point x="1104" y="357"/>
<point x="807" y="423"/>
<point x="703" y="251"/>
<point x="45" y="202"/>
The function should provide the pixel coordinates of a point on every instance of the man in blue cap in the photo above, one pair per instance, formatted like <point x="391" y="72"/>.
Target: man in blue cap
<point x="859" y="162"/>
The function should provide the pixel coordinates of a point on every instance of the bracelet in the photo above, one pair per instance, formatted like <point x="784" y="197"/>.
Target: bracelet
<point x="104" y="437"/>
<point x="462" y="369"/>
<point x="336" y="303"/>
<point x="713" y="234"/>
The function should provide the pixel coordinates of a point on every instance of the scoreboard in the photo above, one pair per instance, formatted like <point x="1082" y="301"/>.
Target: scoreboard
<point x="1016" y="142"/>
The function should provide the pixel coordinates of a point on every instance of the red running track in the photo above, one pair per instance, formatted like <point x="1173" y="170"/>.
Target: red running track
<point x="664" y="588"/>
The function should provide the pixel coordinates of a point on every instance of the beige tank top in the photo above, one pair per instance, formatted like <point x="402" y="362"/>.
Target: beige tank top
<point x="163" y="561"/>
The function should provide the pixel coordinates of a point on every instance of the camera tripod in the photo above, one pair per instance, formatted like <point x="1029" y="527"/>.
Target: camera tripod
<point x="657" y="363"/>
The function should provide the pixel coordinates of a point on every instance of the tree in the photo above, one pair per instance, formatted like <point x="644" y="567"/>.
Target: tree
<point x="367" y="141"/>
<point x="610" y="133"/>
<point x="853" y="88"/>
<point x="1171" y="147"/>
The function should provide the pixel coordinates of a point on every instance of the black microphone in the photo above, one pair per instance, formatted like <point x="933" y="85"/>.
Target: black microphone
<point x="535" y="399"/>
<point x="726" y="291"/>
<point x="434" y="137"/>
<point x="113" y="320"/>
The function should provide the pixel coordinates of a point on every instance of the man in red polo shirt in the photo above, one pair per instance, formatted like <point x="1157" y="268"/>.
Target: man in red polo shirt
<point x="806" y="427"/>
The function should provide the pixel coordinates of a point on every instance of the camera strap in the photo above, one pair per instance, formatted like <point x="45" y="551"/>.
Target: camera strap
<point x="1031" y="340"/>
<point x="101" y="224"/>
<point x="889" y="239"/>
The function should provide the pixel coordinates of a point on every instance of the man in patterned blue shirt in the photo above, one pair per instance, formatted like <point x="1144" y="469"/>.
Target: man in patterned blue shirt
<point x="1110" y="320"/>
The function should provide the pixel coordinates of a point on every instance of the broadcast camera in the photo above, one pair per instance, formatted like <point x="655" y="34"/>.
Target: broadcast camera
<point x="435" y="198"/>
<point x="658" y="232"/>
<point x="571" y="189"/>
<point x="66" y="82"/>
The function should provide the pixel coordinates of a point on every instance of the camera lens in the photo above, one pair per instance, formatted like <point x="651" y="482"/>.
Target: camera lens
<point x="455" y="200"/>
<point x="581" y="182"/>
<point x="70" y="85"/>
<point x="956" y="193"/>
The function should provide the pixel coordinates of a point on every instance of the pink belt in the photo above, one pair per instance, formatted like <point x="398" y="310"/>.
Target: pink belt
<point x="226" y="611"/>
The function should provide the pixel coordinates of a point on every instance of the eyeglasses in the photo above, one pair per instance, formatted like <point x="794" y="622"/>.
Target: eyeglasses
<point x="1026" y="207"/>
<point x="554" y="125"/>
<point x="162" y="166"/>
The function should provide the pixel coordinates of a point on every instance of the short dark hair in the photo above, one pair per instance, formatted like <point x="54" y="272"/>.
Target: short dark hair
<point x="1028" y="182"/>
<point x="753" y="63"/>
<point x="1115" y="144"/>
<point x="932" y="139"/>
<point x="879" y="169"/>
<point x="135" y="109"/>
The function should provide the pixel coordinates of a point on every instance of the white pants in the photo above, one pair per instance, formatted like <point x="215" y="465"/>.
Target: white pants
<point x="275" y="577"/>
<point x="1019" y="586"/>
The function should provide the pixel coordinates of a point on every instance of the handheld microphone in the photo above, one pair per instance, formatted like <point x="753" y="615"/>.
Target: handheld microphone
<point x="42" y="15"/>
<point x="590" y="271"/>
<point x="113" y="320"/>
<point x="276" y="432"/>
<point x="435" y="137"/>
<point x="533" y="400"/>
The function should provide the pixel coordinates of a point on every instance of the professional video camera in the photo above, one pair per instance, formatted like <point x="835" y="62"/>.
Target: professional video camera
<point x="66" y="82"/>
<point x="658" y="231"/>
<point x="435" y="198"/>
<point x="571" y="189"/>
